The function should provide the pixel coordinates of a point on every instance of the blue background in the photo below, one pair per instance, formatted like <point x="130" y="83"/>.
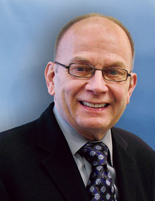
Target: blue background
<point x="28" y="29"/>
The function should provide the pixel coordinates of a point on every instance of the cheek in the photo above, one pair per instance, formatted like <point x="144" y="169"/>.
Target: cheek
<point x="120" y="94"/>
<point x="65" y="91"/>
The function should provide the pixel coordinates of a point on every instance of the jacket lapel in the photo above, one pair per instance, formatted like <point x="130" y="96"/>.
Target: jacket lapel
<point x="59" y="163"/>
<point x="125" y="166"/>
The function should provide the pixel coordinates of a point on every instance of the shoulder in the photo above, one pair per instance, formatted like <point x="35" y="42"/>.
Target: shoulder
<point x="18" y="135"/>
<point x="128" y="136"/>
<point x="19" y="129"/>
<point x="27" y="130"/>
<point x="134" y="144"/>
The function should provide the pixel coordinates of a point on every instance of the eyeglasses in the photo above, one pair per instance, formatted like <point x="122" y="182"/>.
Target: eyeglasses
<point x="114" y="74"/>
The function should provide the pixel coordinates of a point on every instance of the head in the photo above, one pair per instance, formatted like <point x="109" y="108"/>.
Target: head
<point x="91" y="105"/>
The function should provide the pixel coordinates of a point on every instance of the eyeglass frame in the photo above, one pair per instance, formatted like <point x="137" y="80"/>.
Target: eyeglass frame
<point x="128" y="74"/>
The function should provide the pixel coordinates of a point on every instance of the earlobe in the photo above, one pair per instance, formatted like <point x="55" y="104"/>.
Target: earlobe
<point x="49" y="77"/>
<point x="132" y="86"/>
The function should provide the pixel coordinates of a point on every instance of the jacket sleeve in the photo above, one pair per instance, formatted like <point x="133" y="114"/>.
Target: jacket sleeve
<point x="3" y="192"/>
<point x="154" y="184"/>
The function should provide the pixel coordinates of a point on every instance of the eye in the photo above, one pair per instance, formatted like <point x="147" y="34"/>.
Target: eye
<point x="81" y="68"/>
<point x="84" y="68"/>
<point x="111" y="71"/>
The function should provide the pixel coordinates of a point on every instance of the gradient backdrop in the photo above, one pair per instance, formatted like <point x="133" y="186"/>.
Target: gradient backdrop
<point x="28" y="29"/>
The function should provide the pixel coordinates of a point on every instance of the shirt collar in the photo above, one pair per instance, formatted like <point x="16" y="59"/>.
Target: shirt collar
<point x="75" y="140"/>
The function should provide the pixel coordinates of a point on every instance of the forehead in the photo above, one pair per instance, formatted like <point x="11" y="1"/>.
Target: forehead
<point x="94" y="33"/>
<point x="90" y="25"/>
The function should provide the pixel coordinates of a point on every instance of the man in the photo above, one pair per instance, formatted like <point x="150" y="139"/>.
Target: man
<point x="92" y="81"/>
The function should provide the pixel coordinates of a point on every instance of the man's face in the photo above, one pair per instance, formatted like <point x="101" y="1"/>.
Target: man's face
<point x="91" y="105"/>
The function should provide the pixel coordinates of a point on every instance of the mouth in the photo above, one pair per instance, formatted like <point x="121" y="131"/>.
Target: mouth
<point x="94" y="105"/>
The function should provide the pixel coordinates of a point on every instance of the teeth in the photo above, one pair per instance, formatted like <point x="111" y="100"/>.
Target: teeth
<point x="94" y="105"/>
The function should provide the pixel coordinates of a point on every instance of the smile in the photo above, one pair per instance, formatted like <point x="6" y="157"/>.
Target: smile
<point x="94" y="105"/>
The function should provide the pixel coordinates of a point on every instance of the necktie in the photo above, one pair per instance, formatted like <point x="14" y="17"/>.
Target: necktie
<point x="100" y="185"/>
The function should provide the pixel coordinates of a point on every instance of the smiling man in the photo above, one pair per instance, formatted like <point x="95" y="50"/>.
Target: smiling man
<point x="87" y="101"/>
<point x="73" y="152"/>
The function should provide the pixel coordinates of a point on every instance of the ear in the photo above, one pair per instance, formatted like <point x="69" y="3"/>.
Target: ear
<point x="132" y="86"/>
<point x="49" y="77"/>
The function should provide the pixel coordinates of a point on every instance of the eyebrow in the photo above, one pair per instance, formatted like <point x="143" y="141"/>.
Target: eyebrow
<point x="86" y="61"/>
<point x="80" y="60"/>
<point x="116" y="64"/>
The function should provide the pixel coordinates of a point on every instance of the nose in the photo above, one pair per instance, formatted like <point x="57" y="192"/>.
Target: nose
<point x="97" y="84"/>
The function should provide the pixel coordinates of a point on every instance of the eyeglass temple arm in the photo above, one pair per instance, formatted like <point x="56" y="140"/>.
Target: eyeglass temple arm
<point x="61" y="64"/>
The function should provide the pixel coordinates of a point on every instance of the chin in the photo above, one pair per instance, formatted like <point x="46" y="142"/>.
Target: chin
<point x="94" y="125"/>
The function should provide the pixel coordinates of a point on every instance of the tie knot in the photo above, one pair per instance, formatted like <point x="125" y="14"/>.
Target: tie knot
<point x="95" y="153"/>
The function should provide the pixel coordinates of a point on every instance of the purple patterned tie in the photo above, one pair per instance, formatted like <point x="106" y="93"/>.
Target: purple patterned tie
<point x="100" y="185"/>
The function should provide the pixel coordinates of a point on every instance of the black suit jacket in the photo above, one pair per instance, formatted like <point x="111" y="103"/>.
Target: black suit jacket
<point x="36" y="165"/>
